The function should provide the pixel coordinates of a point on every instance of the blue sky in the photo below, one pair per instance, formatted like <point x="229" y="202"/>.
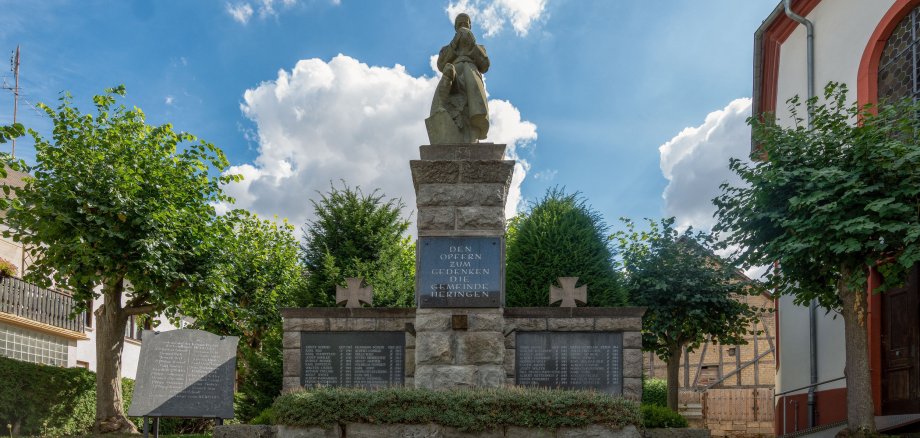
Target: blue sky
<point x="631" y="103"/>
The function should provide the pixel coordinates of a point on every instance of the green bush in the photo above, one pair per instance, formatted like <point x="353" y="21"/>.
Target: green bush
<point x="654" y="416"/>
<point x="29" y="389"/>
<point x="655" y="392"/>
<point x="468" y="410"/>
<point x="264" y="417"/>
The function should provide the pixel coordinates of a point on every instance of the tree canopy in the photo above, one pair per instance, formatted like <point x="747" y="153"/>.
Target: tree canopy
<point x="691" y="294"/>
<point x="358" y="235"/>
<point x="828" y="202"/>
<point x="120" y="209"/>
<point x="560" y="236"/>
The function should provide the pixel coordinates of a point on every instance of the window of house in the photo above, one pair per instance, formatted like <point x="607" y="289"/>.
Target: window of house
<point x="31" y="346"/>
<point x="899" y="66"/>
<point x="82" y="364"/>
<point x="89" y="313"/>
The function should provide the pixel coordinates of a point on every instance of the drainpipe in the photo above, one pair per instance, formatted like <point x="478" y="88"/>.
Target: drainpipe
<point x="813" y="306"/>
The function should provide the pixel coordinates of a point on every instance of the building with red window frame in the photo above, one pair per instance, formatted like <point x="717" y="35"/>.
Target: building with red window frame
<point x="872" y="46"/>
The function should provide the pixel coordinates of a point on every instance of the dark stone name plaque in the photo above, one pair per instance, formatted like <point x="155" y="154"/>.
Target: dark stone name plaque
<point x="570" y="360"/>
<point x="460" y="271"/>
<point x="354" y="359"/>
<point x="185" y="373"/>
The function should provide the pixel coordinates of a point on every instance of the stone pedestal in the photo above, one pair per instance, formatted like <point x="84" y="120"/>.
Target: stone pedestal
<point x="461" y="190"/>
<point x="459" y="348"/>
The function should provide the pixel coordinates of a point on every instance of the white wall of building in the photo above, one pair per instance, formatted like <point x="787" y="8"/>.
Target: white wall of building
<point x="794" y="370"/>
<point x="85" y="351"/>
<point x="842" y="30"/>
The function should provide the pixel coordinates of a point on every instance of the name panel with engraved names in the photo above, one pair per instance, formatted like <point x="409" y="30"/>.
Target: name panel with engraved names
<point x="352" y="359"/>
<point x="570" y="360"/>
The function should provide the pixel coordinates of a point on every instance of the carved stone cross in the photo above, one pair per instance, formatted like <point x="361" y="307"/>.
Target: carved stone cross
<point x="568" y="294"/>
<point x="353" y="294"/>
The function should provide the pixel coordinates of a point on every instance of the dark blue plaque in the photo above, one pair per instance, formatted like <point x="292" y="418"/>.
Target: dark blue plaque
<point x="352" y="359"/>
<point x="570" y="360"/>
<point x="460" y="271"/>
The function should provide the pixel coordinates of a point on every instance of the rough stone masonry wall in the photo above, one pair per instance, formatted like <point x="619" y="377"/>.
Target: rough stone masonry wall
<point x="335" y="319"/>
<point x="449" y="357"/>
<point x="461" y="190"/>
<point x="627" y="320"/>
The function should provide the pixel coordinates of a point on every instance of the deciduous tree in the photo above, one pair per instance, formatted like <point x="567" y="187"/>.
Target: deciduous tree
<point x="123" y="210"/>
<point x="828" y="203"/>
<point x="691" y="294"/>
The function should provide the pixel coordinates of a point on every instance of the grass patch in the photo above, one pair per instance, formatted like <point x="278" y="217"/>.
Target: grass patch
<point x="469" y="410"/>
<point x="654" y="416"/>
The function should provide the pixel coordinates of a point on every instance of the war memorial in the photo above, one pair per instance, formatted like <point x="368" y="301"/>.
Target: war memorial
<point x="460" y="334"/>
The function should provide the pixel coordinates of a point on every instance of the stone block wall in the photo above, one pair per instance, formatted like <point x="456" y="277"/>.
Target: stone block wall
<point x="340" y="319"/>
<point x="461" y="189"/>
<point x="627" y="320"/>
<point x="449" y="357"/>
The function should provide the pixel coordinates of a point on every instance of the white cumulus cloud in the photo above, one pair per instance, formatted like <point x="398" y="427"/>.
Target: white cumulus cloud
<point x="492" y="15"/>
<point x="695" y="163"/>
<point x="323" y="122"/>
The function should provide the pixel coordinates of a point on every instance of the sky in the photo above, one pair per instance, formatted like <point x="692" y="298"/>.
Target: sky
<point x="636" y="105"/>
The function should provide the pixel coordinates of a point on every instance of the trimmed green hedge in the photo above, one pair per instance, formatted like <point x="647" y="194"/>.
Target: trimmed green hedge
<point x="655" y="392"/>
<point x="47" y="400"/>
<point x="468" y="410"/>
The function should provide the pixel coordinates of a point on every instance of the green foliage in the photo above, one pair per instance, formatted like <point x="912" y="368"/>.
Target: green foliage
<point x="255" y="273"/>
<point x="9" y="132"/>
<point x="689" y="291"/>
<point x="655" y="416"/>
<point x="260" y="375"/>
<point x="120" y="209"/>
<point x="7" y="269"/>
<point x="831" y="200"/>
<point x="465" y="409"/>
<point x="112" y="199"/>
<point x="560" y="236"/>
<point x="655" y="392"/>
<point x="49" y="401"/>
<point x="358" y="235"/>
<point x="264" y="417"/>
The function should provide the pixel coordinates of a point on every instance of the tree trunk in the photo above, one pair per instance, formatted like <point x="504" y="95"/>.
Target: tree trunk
<point x="673" y="377"/>
<point x="860" y="407"/>
<point x="110" y="342"/>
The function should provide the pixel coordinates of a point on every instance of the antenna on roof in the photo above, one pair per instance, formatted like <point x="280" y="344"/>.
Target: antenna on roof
<point x="14" y="65"/>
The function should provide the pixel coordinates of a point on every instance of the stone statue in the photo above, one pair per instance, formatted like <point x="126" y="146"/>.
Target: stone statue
<point x="459" y="110"/>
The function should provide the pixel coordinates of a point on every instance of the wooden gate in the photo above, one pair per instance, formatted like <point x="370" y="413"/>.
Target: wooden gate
<point x="738" y="412"/>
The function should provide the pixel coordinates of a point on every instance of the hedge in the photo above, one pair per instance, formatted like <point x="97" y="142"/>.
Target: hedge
<point x="48" y="400"/>
<point x="469" y="410"/>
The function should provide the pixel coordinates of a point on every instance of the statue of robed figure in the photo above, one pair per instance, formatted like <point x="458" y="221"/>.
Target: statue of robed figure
<point x="459" y="110"/>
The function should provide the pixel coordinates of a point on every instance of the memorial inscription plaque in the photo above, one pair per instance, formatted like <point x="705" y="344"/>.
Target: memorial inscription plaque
<point x="353" y="359"/>
<point x="570" y="360"/>
<point x="460" y="271"/>
<point x="185" y="373"/>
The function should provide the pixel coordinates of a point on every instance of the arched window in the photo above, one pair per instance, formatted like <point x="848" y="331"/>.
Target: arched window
<point x="899" y="66"/>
